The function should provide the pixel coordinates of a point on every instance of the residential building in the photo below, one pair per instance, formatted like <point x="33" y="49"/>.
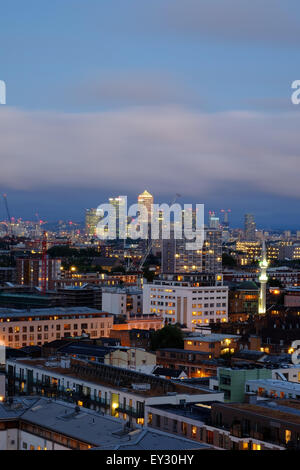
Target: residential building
<point x="19" y="328"/>
<point x="243" y="300"/>
<point x="215" y="345"/>
<point x="193" y="421"/>
<point x="116" y="391"/>
<point x="135" y="338"/>
<point x="232" y="381"/>
<point x="273" y="388"/>
<point x="31" y="423"/>
<point x="131" y="358"/>
<point x="147" y="321"/>
<point x="30" y="271"/>
<point x="194" y="364"/>
<point x="176" y="258"/>
<point x="275" y="421"/>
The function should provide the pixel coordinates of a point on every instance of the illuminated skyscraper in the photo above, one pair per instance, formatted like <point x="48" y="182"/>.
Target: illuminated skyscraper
<point x="119" y="204"/>
<point x="146" y="199"/>
<point x="91" y="221"/>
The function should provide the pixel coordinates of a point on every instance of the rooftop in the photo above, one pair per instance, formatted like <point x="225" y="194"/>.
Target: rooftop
<point x="95" y="429"/>
<point x="185" y="351"/>
<point x="112" y="377"/>
<point x="282" y="384"/>
<point x="283" y="410"/>
<point x="198" y="411"/>
<point x="211" y="338"/>
<point x="57" y="311"/>
<point x="157" y="440"/>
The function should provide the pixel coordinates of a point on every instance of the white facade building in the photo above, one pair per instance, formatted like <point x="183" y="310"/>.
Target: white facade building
<point x="117" y="400"/>
<point x="122" y="301"/>
<point x="190" y="305"/>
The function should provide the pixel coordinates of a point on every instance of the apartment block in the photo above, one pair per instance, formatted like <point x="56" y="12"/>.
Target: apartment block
<point x="116" y="391"/>
<point x="19" y="328"/>
<point x="193" y="421"/>
<point x="216" y="344"/>
<point x="29" y="272"/>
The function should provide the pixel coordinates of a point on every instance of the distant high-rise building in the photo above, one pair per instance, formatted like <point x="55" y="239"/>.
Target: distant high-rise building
<point x="177" y="259"/>
<point x="118" y="203"/>
<point x="213" y="220"/>
<point x="225" y="222"/>
<point x="91" y="220"/>
<point x="249" y="227"/>
<point x="212" y="251"/>
<point x="146" y="199"/>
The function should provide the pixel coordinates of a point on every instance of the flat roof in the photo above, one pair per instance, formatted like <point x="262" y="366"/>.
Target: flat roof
<point x="191" y="351"/>
<point x="197" y="411"/>
<point x="284" y="410"/>
<point x="211" y="338"/>
<point x="283" y="384"/>
<point x="157" y="390"/>
<point x="57" y="311"/>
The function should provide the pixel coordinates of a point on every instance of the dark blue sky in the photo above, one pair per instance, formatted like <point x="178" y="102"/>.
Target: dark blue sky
<point x="108" y="98"/>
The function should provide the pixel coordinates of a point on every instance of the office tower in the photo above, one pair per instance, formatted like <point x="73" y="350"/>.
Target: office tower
<point x="146" y="199"/>
<point x="225" y="221"/>
<point x="213" y="220"/>
<point x="249" y="227"/>
<point x="119" y="203"/>
<point x="91" y="220"/>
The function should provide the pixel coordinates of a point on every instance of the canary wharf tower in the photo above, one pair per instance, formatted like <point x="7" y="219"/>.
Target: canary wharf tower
<point x="263" y="278"/>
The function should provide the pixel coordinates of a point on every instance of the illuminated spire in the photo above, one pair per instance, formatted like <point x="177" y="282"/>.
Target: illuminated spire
<point x="263" y="279"/>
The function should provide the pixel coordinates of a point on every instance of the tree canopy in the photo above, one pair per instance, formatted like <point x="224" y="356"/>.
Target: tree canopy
<point x="170" y="336"/>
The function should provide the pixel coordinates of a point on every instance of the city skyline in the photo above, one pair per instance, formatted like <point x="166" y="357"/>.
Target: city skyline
<point x="149" y="228"/>
<point x="45" y="211"/>
<point x="203" y="107"/>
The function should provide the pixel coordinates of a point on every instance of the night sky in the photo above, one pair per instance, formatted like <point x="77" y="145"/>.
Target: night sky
<point x="108" y="98"/>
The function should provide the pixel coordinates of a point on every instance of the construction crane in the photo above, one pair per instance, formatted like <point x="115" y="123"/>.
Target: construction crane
<point x="10" y="230"/>
<point x="149" y="247"/>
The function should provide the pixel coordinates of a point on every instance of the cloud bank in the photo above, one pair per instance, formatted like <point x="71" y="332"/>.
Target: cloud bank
<point x="165" y="148"/>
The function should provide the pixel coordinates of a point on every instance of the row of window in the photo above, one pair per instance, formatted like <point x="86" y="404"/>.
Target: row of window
<point x="65" y="326"/>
